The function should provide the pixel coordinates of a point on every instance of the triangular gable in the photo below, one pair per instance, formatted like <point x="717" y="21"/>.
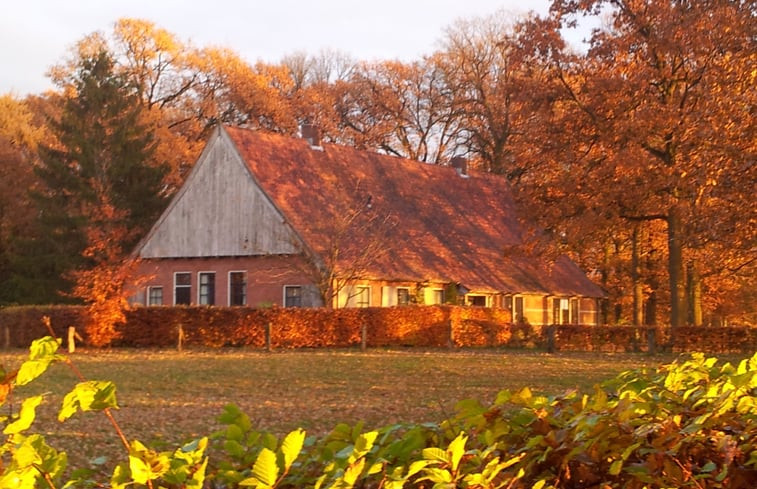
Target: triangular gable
<point x="219" y="211"/>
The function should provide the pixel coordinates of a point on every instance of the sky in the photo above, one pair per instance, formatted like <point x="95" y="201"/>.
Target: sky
<point x="36" y="34"/>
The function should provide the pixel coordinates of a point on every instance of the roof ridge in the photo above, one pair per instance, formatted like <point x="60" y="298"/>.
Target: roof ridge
<point x="344" y="147"/>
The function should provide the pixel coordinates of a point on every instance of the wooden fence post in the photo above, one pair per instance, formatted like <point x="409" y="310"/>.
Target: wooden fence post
<point x="268" y="346"/>
<point x="551" y="338"/>
<point x="651" y="341"/>
<point x="363" y="337"/>
<point x="450" y="336"/>
<point x="71" y="339"/>
<point x="180" y="344"/>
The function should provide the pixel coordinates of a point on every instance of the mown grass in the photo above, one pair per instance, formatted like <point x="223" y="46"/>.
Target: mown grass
<point x="169" y="397"/>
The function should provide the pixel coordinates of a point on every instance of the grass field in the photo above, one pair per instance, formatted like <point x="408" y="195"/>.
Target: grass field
<point x="171" y="397"/>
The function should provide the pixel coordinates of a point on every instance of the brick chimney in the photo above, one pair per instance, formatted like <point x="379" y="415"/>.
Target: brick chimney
<point x="460" y="164"/>
<point x="311" y="134"/>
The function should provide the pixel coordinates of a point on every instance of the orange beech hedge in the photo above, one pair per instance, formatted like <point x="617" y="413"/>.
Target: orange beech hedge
<point x="421" y="326"/>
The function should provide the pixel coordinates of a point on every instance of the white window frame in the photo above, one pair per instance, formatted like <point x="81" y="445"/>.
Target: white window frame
<point x="577" y="318"/>
<point x="284" y="294"/>
<point x="175" y="286"/>
<point x="434" y="292"/>
<point x="562" y="304"/>
<point x="522" y="299"/>
<point x="229" y="289"/>
<point x="148" y="297"/>
<point x="199" y="287"/>
<point x="359" y="290"/>
<point x="397" y="298"/>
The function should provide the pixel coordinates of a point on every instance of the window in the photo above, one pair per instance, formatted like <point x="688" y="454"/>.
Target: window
<point x="154" y="296"/>
<point x="437" y="296"/>
<point x="560" y="311"/>
<point x="292" y="296"/>
<point x="237" y="288"/>
<point x="403" y="296"/>
<point x="363" y="296"/>
<point x="574" y="311"/>
<point x="518" y="315"/>
<point x="477" y="300"/>
<point x="207" y="289"/>
<point x="507" y="303"/>
<point x="182" y="288"/>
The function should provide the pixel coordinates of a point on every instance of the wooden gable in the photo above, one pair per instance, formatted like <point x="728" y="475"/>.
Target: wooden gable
<point x="219" y="211"/>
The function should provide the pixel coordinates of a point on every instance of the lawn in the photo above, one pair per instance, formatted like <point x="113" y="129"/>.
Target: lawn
<point x="170" y="397"/>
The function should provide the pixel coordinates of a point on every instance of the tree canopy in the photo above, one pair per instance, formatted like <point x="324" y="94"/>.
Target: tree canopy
<point x="635" y="155"/>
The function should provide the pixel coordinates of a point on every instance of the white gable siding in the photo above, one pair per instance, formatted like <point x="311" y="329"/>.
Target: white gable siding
<point x="220" y="211"/>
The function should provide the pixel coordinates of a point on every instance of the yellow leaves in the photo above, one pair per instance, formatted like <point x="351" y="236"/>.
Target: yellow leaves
<point x="143" y="38"/>
<point x="16" y="123"/>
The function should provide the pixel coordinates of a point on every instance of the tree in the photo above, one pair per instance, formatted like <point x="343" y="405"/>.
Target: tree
<point x="102" y="156"/>
<point x="403" y="109"/>
<point x="164" y="74"/>
<point x="19" y="137"/>
<point x="668" y="89"/>
<point x="357" y="240"/>
<point x="490" y="89"/>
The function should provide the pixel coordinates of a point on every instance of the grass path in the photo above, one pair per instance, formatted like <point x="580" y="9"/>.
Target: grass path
<point x="171" y="397"/>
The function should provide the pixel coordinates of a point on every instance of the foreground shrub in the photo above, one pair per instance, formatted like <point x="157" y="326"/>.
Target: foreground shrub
<point x="688" y="424"/>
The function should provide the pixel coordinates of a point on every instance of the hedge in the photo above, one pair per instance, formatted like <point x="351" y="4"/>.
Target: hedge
<point x="421" y="326"/>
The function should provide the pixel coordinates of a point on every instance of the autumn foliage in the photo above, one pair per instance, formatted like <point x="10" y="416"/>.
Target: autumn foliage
<point x="416" y="326"/>
<point x="687" y="424"/>
<point x="634" y="153"/>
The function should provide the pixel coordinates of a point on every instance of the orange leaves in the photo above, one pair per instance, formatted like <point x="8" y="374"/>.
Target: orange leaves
<point x="102" y="286"/>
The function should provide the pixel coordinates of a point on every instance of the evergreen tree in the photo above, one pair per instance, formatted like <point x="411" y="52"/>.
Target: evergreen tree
<point x="104" y="153"/>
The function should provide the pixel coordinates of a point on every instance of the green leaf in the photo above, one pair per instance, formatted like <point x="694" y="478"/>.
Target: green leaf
<point x="416" y="467"/>
<point x="291" y="447"/>
<point x="101" y="460"/>
<point x="353" y="472"/>
<point x="93" y="395"/>
<point x="234" y="433"/>
<point x="44" y="347"/>
<point x="615" y="467"/>
<point x="233" y="448"/>
<point x="25" y="416"/>
<point x="140" y="471"/>
<point x="708" y="467"/>
<point x="145" y="464"/>
<point x="523" y="396"/>
<point x="41" y="355"/>
<point x="265" y="469"/>
<point x="503" y="397"/>
<point x="456" y="450"/>
<point x="364" y="443"/>
<point x="435" y="454"/>
<point x="120" y="478"/>
<point x="436" y="475"/>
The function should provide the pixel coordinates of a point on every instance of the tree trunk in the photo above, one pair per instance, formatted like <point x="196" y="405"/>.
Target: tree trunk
<point x="693" y="295"/>
<point x="638" y="288"/>
<point x="675" y="269"/>
<point x="650" y="312"/>
<point x="650" y="318"/>
<point x="605" y="274"/>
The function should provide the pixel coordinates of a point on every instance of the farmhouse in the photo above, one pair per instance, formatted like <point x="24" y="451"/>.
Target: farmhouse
<point x="265" y="219"/>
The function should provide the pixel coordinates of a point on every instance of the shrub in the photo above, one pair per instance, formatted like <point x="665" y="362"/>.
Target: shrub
<point x="688" y="424"/>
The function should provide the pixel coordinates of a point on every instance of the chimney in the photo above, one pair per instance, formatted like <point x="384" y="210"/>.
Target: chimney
<point x="460" y="164"/>
<point x="310" y="134"/>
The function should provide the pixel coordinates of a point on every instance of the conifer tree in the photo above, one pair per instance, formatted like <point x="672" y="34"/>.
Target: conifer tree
<point x="104" y="150"/>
